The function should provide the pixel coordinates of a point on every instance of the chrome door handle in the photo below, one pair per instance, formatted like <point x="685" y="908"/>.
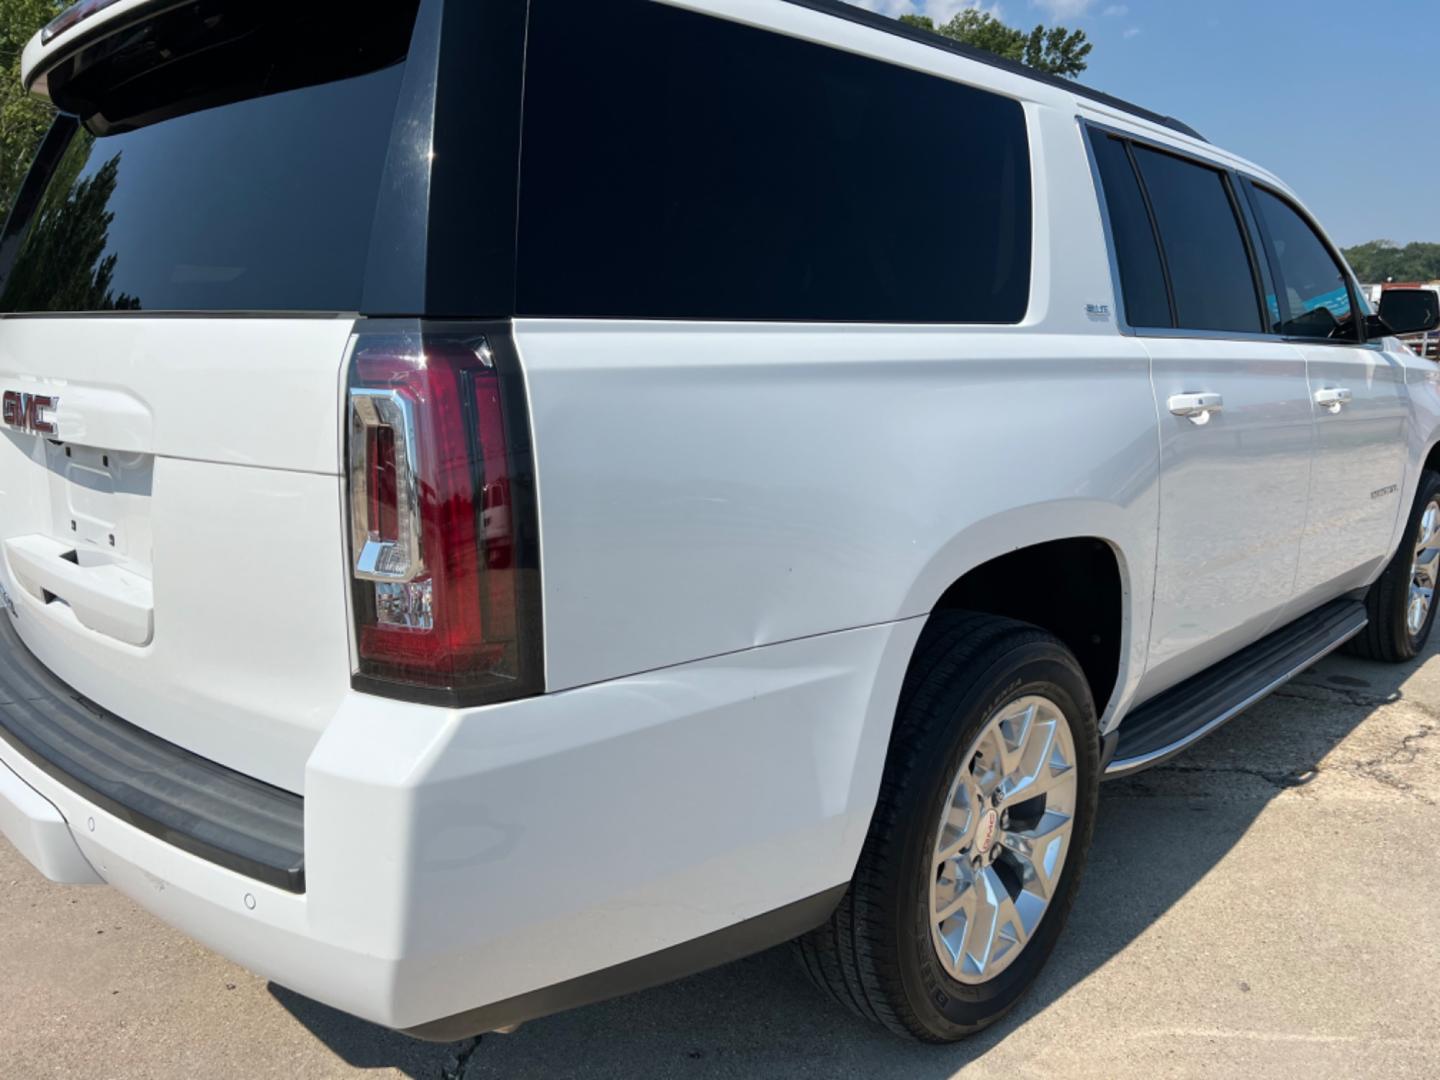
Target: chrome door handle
<point x="1196" y="407"/>
<point x="1332" y="398"/>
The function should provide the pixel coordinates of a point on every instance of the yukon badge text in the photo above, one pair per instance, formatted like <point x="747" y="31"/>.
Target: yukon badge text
<point x="27" y="411"/>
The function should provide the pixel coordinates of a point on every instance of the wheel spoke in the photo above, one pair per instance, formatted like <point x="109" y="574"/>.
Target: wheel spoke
<point x="1041" y="776"/>
<point x="958" y="848"/>
<point x="1040" y="853"/>
<point x="1010" y="928"/>
<point x="964" y="900"/>
<point x="957" y="831"/>
<point x="981" y="923"/>
<point x="1013" y="735"/>
<point x="1427" y="561"/>
<point x="1429" y="525"/>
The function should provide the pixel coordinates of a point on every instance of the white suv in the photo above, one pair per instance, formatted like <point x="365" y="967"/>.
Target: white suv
<point x="506" y="503"/>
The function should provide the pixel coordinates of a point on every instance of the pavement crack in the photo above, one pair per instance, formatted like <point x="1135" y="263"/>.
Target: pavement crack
<point x="1355" y="698"/>
<point x="1377" y="768"/>
<point x="1280" y="779"/>
<point x="454" y="1069"/>
<point x="1346" y="696"/>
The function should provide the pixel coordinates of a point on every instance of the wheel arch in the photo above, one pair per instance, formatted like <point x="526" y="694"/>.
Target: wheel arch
<point x="1096" y="561"/>
<point x="1432" y="457"/>
<point x="1070" y="587"/>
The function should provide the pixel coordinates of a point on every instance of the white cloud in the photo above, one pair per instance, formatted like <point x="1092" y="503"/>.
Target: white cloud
<point x="1063" y="9"/>
<point x="1130" y="32"/>
<point x="1116" y="10"/>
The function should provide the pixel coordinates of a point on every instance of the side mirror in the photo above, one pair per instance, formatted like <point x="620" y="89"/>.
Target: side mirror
<point x="1406" y="311"/>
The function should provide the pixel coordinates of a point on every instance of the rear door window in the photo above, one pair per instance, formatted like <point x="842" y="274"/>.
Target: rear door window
<point x="1211" y="273"/>
<point x="1314" y="299"/>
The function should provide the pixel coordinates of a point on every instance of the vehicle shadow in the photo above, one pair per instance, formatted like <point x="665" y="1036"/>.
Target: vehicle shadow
<point x="1158" y="834"/>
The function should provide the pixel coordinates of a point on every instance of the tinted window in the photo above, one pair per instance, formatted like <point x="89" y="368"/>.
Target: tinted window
<point x="1142" y="279"/>
<point x="678" y="165"/>
<point x="1314" y="295"/>
<point x="1209" y="264"/>
<point x="263" y="203"/>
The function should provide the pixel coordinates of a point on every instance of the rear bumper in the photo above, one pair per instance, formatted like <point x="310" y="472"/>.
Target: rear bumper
<point x="40" y="833"/>
<point x="466" y="869"/>
<point x="205" y="808"/>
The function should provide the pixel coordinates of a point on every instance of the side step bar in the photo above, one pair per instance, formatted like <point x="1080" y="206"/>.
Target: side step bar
<point x="1185" y="714"/>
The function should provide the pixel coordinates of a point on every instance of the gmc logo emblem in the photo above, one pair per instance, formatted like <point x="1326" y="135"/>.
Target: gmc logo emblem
<point x="27" y="411"/>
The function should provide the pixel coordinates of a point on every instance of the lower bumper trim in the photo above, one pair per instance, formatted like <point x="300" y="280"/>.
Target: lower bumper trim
<point x="720" y="947"/>
<point x="195" y="804"/>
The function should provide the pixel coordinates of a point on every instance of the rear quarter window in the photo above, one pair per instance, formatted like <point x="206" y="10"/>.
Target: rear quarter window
<point x="677" y="165"/>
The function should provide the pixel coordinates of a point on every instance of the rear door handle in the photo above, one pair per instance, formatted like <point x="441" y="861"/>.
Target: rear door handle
<point x="1333" y="398"/>
<point x="1196" y="407"/>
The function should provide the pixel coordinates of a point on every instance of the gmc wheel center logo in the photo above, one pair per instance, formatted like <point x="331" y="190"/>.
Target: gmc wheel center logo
<point x="28" y="411"/>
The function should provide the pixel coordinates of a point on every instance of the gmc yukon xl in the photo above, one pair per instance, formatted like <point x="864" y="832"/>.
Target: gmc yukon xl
<point x="504" y="503"/>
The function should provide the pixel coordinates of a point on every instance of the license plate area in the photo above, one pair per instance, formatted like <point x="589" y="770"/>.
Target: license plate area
<point x="100" y="500"/>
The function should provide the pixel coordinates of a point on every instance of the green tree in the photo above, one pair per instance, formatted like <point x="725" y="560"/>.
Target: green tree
<point x="1383" y="260"/>
<point x="23" y="117"/>
<point x="1054" y="50"/>
<point x="63" y="265"/>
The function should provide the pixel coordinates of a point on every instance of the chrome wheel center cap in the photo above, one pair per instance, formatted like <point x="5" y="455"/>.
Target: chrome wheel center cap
<point x="985" y="836"/>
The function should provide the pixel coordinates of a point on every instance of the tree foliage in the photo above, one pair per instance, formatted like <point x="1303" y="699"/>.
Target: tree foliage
<point x="1382" y="260"/>
<point x="64" y="266"/>
<point x="23" y="118"/>
<point x="1053" y="50"/>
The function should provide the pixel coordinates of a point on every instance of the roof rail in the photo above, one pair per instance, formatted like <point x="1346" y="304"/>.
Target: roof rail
<point x="841" y="9"/>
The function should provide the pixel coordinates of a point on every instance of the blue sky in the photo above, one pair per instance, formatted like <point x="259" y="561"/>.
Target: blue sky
<point x="1340" y="98"/>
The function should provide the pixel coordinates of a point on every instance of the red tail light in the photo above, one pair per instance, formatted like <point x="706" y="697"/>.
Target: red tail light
<point x="442" y="524"/>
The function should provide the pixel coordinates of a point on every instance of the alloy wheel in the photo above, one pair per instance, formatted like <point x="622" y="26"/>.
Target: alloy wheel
<point x="1003" y="838"/>
<point x="1424" y="568"/>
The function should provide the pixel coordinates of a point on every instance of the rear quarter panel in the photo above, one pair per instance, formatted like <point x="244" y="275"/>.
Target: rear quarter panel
<point x="707" y="489"/>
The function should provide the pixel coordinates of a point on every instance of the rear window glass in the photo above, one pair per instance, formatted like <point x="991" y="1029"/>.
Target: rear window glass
<point x="261" y="204"/>
<point x="678" y="165"/>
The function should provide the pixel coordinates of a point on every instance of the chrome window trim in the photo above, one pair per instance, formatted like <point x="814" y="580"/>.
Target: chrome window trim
<point x="1122" y="320"/>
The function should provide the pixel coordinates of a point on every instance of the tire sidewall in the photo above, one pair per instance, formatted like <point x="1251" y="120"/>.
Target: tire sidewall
<point x="1041" y="667"/>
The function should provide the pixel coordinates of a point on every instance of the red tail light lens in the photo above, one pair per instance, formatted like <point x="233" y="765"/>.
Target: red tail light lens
<point x="442" y="556"/>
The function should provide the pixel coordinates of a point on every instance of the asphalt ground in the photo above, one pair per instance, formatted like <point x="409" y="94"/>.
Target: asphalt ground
<point x="1266" y="905"/>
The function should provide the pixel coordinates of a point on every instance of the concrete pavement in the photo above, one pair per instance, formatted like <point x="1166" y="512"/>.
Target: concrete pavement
<point x="1267" y="905"/>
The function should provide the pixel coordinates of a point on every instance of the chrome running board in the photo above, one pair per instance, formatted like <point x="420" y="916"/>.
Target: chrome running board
<point x="1183" y="715"/>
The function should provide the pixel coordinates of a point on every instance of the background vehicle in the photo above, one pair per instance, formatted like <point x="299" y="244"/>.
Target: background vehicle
<point x="499" y="510"/>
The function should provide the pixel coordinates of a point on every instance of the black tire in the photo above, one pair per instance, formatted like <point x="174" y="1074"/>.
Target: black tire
<point x="875" y="955"/>
<point x="1387" y="637"/>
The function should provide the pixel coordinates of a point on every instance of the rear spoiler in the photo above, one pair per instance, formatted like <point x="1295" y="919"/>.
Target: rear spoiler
<point x="78" y="26"/>
<point x="122" y="64"/>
